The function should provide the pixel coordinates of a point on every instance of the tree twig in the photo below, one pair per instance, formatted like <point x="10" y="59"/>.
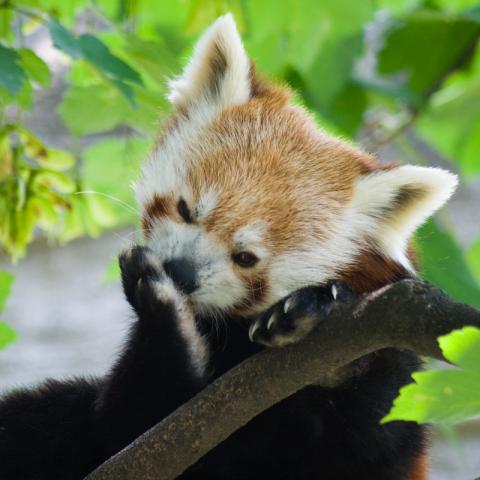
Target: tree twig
<point x="408" y="315"/>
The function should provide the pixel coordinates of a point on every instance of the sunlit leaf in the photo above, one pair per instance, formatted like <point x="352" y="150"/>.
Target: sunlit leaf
<point x="144" y="56"/>
<point x="6" y="19"/>
<point x="112" y="271"/>
<point x="44" y="211"/>
<point x="444" y="396"/>
<point x="78" y="103"/>
<point x="110" y="168"/>
<point x="7" y="335"/>
<point x="6" y="281"/>
<point x="88" y="215"/>
<point x="51" y="158"/>
<point x="54" y="181"/>
<point x="57" y="159"/>
<point x="201" y="13"/>
<point x="34" y="67"/>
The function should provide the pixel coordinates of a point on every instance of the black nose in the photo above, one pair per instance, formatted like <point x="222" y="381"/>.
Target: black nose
<point x="183" y="273"/>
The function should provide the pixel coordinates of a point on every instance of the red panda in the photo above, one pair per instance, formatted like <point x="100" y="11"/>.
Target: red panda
<point x="255" y="222"/>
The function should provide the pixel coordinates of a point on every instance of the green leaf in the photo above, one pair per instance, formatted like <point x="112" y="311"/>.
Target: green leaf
<point x="461" y="348"/>
<point x="7" y="335"/>
<point x="152" y="58"/>
<point x="88" y="215"/>
<point x="64" y="40"/>
<point x="458" y="140"/>
<point x="201" y="13"/>
<point x="443" y="263"/>
<point x="473" y="256"/>
<point x="423" y="47"/>
<point x="56" y="159"/>
<point x="112" y="272"/>
<point x="6" y="19"/>
<point x="54" y="181"/>
<point x="50" y="158"/>
<point x="34" y="67"/>
<point x="98" y="53"/>
<point x="328" y="74"/>
<point x="6" y="280"/>
<point x="45" y="212"/>
<point x="12" y="75"/>
<point x="23" y="97"/>
<point x="110" y="167"/>
<point x="78" y="103"/>
<point x="444" y="396"/>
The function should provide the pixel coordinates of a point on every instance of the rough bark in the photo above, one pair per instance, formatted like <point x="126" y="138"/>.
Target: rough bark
<point x="408" y="315"/>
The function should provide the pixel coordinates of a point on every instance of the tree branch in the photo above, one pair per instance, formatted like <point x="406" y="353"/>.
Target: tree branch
<point x="408" y="315"/>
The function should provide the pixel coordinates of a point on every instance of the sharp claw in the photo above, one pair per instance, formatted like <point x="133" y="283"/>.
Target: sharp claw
<point x="287" y="305"/>
<point x="334" y="291"/>
<point x="252" y="330"/>
<point x="271" y="321"/>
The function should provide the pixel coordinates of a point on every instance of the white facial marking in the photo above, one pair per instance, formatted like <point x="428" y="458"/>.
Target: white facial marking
<point x="219" y="286"/>
<point x="207" y="204"/>
<point x="165" y="169"/>
<point x="251" y="237"/>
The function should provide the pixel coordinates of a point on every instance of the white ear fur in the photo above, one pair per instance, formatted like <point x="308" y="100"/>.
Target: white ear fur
<point x="396" y="202"/>
<point x="218" y="70"/>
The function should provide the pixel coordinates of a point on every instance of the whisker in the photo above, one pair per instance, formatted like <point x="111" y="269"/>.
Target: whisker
<point x="126" y="237"/>
<point x="110" y="197"/>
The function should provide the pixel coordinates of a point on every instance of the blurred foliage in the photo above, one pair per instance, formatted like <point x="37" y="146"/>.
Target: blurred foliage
<point x="7" y="335"/>
<point x="398" y="72"/>
<point x="445" y="396"/>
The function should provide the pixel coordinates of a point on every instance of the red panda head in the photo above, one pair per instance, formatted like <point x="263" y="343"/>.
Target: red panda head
<point x="246" y="192"/>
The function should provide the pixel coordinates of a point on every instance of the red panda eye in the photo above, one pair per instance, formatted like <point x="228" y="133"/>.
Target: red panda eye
<point x="184" y="211"/>
<point x="245" y="259"/>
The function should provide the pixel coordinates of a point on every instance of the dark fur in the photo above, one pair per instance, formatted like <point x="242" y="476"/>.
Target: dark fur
<point x="63" y="430"/>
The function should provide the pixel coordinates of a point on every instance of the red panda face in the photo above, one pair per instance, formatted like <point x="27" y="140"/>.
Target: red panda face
<point x="246" y="200"/>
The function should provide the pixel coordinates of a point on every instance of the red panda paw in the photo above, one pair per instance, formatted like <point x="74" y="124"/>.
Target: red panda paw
<point x="295" y="316"/>
<point x="147" y="287"/>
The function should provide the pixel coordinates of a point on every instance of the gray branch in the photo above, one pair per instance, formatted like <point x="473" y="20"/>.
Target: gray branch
<point x="407" y="315"/>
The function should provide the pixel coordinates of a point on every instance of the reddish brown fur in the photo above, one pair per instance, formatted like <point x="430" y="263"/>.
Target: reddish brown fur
<point x="257" y="291"/>
<point x="236" y="141"/>
<point x="371" y="271"/>
<point x="158" y="207"/>
<point x="420" y="469"/>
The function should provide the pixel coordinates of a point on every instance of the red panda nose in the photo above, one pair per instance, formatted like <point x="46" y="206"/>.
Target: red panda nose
<point x="183" y="274"/>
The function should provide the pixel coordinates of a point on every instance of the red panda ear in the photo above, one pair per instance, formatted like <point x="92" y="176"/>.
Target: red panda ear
<point x="218" y="72"/>
<point x="394" y="203"/>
